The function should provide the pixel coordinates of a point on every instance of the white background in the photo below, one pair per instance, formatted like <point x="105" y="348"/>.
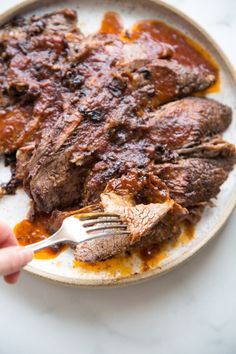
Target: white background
<point x="191" y="310"/>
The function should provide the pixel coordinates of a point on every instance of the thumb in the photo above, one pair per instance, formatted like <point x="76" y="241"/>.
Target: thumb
<point x="12" y="259"/>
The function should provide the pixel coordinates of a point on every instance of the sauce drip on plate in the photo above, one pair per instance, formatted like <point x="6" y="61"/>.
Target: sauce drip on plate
<point x="111" y="24"/>
<point x="186" y="50"/>
<point x="117" y="265"/>
<point x="28" y="232"/>
<point x="152" y="256"/>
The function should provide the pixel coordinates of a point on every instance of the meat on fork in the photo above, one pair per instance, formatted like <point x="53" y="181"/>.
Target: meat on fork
<point x="142" y="202"/>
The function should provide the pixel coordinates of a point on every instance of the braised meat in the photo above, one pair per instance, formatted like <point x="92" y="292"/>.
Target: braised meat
<point x="204" y="117"/>
<point x="105" y="122"/>
<point x="179" y="129"/>
<point x="33" y="54"/>
<point x="143" y="203"/>
<point x="193" y="181"/>
<point x="81" y="135"/>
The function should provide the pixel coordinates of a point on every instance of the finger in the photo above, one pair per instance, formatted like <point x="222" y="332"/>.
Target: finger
<point x="7" y="237"/>
<point x="12" y="278"/>
<point x="12" y="259"/>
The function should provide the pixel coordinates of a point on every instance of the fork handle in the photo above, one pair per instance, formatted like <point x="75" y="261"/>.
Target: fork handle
<point x="48" y="242"/>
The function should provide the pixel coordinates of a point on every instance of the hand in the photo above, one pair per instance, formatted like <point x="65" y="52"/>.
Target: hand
<point x="12" y="256"/>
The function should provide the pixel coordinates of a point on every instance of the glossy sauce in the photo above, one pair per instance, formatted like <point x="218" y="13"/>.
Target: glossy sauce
<point x="111" y="24"/>
<point x="12" y="123"/>
<point x="186" y="51"/>
<point x="115" y="266"/>
<point x="152" y="256"/>
<point x="28" y="232"/>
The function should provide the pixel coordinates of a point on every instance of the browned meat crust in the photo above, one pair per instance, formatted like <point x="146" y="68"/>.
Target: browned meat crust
<point x="183" y="128"/>
<point x="192" y="181"/>
<point x="187" y="122"/>
<point x="33" y="55"/>
<point x="144" y="140"/>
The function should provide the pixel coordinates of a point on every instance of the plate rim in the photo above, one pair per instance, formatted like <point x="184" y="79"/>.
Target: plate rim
<point x="159" y="270"/>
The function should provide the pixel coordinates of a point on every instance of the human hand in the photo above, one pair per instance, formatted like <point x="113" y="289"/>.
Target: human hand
<point x="12" y="256"/>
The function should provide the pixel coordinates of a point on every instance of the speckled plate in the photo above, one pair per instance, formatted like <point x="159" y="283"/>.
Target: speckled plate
<point x="124" y="271"/>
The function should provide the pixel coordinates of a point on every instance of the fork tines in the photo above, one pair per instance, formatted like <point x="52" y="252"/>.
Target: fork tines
<point x="106" y="224"/>
<point x="89" y="216"/>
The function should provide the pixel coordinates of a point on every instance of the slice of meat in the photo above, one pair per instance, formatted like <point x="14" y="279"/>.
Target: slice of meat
<point x="140" y="51"/>
<point x="25" y="124"/>
<point x="140" y="218"/>
<point x="152" y="222"/>
<point x="118" y="159"/>
<point x="27" y="43"/>
<point x="211" y="148"/>
<point x="186" y="122"/>
<point x="162" y="81"/>
<point x="194" y="181"/>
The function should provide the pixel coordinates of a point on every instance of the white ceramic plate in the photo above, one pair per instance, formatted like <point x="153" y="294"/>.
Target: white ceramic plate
<point x="14" y="208"/>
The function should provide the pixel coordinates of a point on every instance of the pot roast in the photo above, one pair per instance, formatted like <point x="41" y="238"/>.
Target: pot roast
<point x="101" y="123"/>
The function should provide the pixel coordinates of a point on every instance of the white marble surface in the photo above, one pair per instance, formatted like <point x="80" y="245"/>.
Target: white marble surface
<point x="191" y="310"/>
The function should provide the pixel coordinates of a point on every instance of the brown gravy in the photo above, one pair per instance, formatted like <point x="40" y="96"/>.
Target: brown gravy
<point x="187" y="51"/>
<point x="28" y="232"/>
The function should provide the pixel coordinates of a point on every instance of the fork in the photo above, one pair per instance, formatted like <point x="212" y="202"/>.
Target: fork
<point x="84" y="227"/>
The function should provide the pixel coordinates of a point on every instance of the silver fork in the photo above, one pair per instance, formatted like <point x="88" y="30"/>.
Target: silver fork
<point x="84" y="227"/>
